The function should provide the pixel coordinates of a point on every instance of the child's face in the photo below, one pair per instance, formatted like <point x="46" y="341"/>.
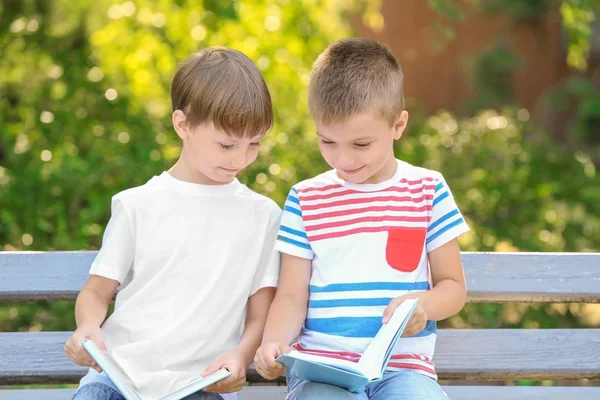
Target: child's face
<point x="361" y="149"/>
<point x="216" y="155"/>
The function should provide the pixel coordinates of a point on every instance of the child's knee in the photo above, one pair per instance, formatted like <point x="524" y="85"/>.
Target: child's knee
<point x="97" y="391"/>
<point x="319" y="391"/>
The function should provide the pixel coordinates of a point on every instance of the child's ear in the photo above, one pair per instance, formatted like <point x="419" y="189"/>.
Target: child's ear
<point x="180" y="124"/>
<point x="400" y="124"/>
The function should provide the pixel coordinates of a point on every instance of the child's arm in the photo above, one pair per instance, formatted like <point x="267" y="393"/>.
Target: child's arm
<point x="446" y="298"/>
<point x="91" y="308"/>
<point x="286" y="316"/>
<point x="239" y="359"/>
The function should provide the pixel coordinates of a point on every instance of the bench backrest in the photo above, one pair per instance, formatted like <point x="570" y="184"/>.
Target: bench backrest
<point x="461" y="353"/>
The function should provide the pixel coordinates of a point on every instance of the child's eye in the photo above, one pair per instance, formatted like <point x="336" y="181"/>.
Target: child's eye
<point x="226" y="146"/>
<point x="326" y="141"/>
<point x="362" y="145"/>
<point x="255" y="144"/>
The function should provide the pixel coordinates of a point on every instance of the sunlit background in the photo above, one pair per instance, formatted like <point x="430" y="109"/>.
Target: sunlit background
<point x="503" y="97"/>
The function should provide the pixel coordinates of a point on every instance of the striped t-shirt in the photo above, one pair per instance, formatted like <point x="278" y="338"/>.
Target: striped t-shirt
<point x="368" y="244"/>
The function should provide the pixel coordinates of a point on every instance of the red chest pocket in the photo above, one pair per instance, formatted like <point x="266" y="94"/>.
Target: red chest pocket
<point x="404" y="248"/>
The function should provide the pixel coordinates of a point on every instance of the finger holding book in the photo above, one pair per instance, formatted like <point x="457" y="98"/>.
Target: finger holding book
<point x="265" y="363"/>
<point x="417" y="322"/>
<point x="234" y="363"/>
<point x="75" y="350"/>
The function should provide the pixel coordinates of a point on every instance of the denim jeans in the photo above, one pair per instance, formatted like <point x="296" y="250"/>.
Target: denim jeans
<point x="95" y="386"/>
<point x="397" y="385"/>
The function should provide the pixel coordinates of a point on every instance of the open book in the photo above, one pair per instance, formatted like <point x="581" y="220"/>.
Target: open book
<point x="347" y="374"/>
<point x="127" y="389"/>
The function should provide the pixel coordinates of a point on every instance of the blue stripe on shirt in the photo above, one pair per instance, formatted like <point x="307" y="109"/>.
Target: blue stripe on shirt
<point x="294" y="242"/>
<point x="445" y="229"/>
<point x="293" y="231"/>
<point x="292" y="210"/>
<point x="293" y="199"/>
<point x="346" y="287"/>
<point x="356" y="327"/>
<point x="442" y="219"/>
<point x="379" y="301"/>
<point x="439" y="187"/>
<point x="440" y="198"/>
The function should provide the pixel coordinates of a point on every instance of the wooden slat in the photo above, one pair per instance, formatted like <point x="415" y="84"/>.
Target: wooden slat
<point x="466" y="354"/>
<point x="533" y="277"/>
<point x="491" y="277"/>
<point x="53" y="275"/>
<point x="454" y="392"/>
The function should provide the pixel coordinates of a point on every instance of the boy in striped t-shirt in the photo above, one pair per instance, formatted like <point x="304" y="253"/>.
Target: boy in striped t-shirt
<point x="361" y="238"/>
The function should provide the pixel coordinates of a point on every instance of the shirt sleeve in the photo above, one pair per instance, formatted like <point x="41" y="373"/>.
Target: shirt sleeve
<point x="292" y="237"/>
<point x="115" y="258"/>
<point x="267" y="274"/>
<point x="446" y="221"/>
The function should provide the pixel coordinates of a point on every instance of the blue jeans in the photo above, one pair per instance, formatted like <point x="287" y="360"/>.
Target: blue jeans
<point x="397" y="385"/>
<point x="95" y="386"/>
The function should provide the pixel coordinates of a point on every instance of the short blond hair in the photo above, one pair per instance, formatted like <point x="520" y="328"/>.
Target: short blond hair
<point x="224" y="86"/>
<point x="352" y="76"/>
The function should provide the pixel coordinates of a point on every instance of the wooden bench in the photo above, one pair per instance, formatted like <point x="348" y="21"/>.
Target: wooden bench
<point x="462" y="354"/>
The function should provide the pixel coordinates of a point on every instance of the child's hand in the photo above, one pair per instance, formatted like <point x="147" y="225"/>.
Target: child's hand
<point x="264" y="360"/>
<point x="234" y="363"/>
<point x="75" y="350"/>
<point x="417" y="321"/>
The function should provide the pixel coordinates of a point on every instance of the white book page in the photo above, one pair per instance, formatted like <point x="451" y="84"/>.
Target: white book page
<point x="115" y="374"/>
<point x="374" y="356"/>
<point x="345" y="365"/>
<point x="197" y="384"/>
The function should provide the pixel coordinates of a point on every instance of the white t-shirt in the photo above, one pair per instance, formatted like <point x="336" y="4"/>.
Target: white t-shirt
<point x="188" y="257"/>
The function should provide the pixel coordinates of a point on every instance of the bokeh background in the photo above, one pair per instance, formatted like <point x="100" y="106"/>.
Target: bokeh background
<point x="503" y="96"/>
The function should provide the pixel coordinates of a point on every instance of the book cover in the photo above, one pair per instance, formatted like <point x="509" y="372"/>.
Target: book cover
<point x="348" y="374"/>
<point x="126" y="387"/>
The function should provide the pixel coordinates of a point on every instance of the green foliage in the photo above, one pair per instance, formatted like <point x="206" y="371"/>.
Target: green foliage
<point x="519" y="11"/>
<point x="577" y="18"/>
<point x="573" y="106"/>
<point x="512" y="190"/>
<point x="491" y="72"/>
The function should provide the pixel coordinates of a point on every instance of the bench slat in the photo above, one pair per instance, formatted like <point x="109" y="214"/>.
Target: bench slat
<point x="491" y="277"/>
<point x="454" y="392"/>
<point x="468" y="354"/>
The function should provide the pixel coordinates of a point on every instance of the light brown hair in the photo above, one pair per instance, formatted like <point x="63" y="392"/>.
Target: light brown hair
<point x="224" y="86"/>
<point x="352" y="76"/>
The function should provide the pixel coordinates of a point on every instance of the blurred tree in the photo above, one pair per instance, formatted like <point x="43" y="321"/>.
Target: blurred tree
<point x="577" y="18"/>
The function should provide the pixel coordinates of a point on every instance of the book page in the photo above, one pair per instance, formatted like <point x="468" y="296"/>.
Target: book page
<point x="333" y="362"/>
<point x="197" y="384"/>
<point x="378" y="351"/>
<point x="111" y="370"/>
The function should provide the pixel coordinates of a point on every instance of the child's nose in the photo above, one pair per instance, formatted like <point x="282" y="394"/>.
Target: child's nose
<point x="239" y="160"/>
<point x="346" y="161"/>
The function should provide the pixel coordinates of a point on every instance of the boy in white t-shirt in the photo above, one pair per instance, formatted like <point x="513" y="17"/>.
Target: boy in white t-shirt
<point x="360" y="239"/>
<point x="190" y="253"/>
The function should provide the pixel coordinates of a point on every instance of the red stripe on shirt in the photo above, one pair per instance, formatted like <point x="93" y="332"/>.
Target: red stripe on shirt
<point x="314" y="238"/>
<point x="333" y="214"/>
<point x="337" y="185"/>
<point x="401" y="189"/>
<point x="310" y="207"/>
<point x="343" y="355"/>
<point x="319" y="189"/>
<point x="411" y="357"/>
<point x="381" y="218"/>
<point x="412" y="366"/>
